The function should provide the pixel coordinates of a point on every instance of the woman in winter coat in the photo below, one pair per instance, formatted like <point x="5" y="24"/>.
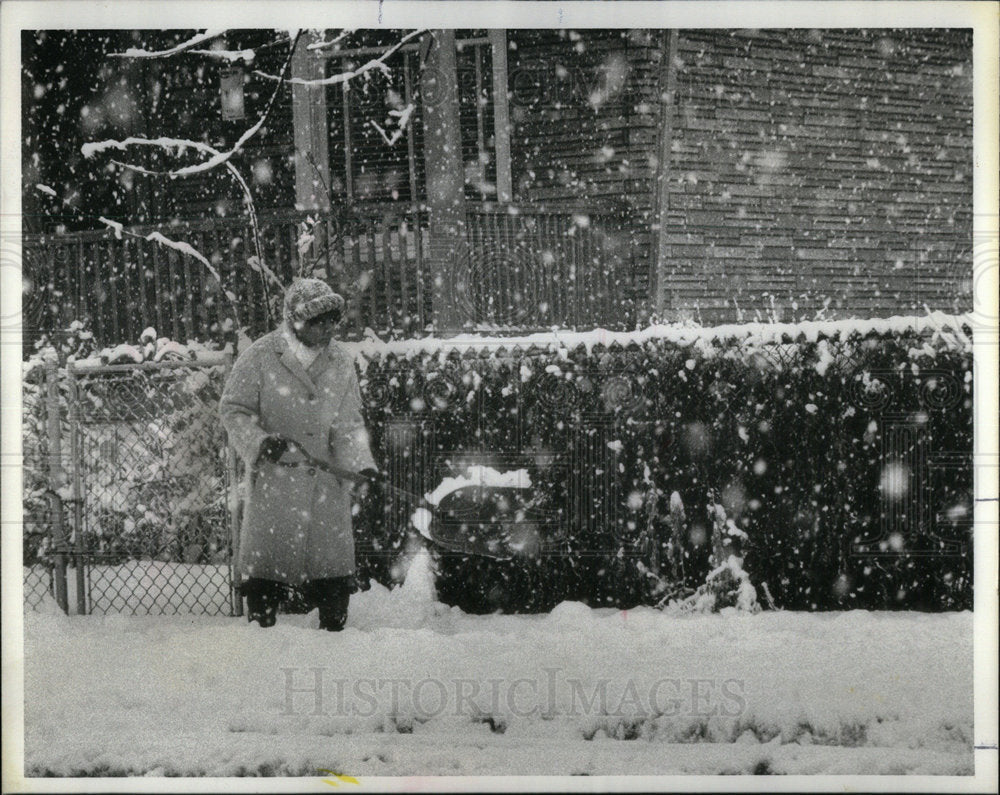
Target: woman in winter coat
<point x="292" y="410"/>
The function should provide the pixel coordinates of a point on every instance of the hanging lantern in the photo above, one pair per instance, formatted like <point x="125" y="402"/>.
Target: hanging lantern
<point x="231" y="93"/>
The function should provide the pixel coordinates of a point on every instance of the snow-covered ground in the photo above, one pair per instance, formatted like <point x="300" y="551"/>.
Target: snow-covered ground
<point x="413" y="687"/>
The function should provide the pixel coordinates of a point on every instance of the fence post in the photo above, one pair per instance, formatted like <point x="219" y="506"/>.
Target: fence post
<point x="75" y="453"/>
<point x="234" y="503"/>
<point x="56" y="482"/>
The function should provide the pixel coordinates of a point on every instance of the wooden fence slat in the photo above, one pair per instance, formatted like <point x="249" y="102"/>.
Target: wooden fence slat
<point x="188" y="288"/>
<point x="566" y="270"/>
<point x="158" y="279"/>
<point x="52" y="264"/>
<point x="94" y="260"/>
<point x="299" y="261"/>
<point x="387" y="270"/>
<point x="534" y="264"/>
<point x="207" y="285"/>
<point x="498" y="303"/>
<point x="147" y="285"/>
<point x="113" y="256"/>
<point x="575" y="303"/>
<point x="229" y="277"/>
<point x="494" y="244"/>
<point x="552" y="296"/>
<point x="418" y="242"/>
<point x="89" y="282"/>
<point x="579" y="303"/>
<point x="378" y="290"/>
<point x="132" y="292"/>
<point x="143" y="280"/>
<point x="585" y="278"/>
<point x="63" y="258"/>
<point x="251" y="292"/>
<point x="365" y="285"/>
<point x="401" y="265"/>
<point x="172" y="280"/>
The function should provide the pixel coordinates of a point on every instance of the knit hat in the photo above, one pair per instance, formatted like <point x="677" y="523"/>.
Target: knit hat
<point x="307" y="298"/>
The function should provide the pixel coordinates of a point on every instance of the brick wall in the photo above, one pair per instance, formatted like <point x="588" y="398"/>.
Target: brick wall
<point x="821" y="166"/>
<point x="808" y="169"/>
<point x="576" y="139"/>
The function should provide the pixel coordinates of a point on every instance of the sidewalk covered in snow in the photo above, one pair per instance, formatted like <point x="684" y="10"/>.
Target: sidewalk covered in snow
<point x="413" y="687"/>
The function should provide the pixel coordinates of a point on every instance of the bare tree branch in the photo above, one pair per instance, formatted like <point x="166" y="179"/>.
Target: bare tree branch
<point x="344" y="77"/>
<point x="184" y="46"/>
<point x="216" y="157"/>
<point x="185" y="248"/>
<point x="318" y="45"/>
<point x="246" y="56"/>
<point x="251" y="209"/>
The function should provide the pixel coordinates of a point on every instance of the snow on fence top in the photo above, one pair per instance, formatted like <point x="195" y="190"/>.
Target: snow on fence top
<point x="151" y="349"/>
<point x="948" y="327"/>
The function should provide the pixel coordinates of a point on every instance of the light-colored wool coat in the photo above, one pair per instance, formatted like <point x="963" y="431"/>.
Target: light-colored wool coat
<point x="297" y="522"/>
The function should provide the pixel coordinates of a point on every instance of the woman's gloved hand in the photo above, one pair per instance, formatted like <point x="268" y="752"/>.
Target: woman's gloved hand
<point x="272" y="448"/>
<point x="364" y="480"/>
<point x="371" y="474"/>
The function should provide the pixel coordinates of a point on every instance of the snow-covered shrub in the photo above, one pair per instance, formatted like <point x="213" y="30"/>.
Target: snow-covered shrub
<point x="150" y="454"/>
<point x="727" y="585"/>
<point x="34" y="471"/>
<point x="842" y="450"/>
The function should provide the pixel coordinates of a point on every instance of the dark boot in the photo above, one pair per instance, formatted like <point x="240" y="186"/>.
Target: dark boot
<point x="332" y="597"/>
<point x="263" y="597"/>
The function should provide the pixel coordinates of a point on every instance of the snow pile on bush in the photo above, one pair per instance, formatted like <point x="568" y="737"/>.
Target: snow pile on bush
<point x="790" y="428"/>
<point x="952" y="328"/>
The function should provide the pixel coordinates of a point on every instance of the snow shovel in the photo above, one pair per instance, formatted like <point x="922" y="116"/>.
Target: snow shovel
<point x="425" y="517"/>
<point x="422" y="517"/>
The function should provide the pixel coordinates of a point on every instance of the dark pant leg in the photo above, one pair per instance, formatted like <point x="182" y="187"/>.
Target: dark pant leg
<point x="332" y="597"/>
<point x="263" y="597"/>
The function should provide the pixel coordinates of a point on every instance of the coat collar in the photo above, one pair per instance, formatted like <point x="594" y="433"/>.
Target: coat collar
<point x="327" y="358"/>
<point x="291" y="361"/>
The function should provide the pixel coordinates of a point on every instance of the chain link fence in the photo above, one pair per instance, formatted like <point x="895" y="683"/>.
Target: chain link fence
<point x="846" y="459"/>
<point x="139" y="470"/>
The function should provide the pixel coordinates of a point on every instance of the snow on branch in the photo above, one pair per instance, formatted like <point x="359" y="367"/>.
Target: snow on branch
<point x="175" y="144"/>
<point x="157" y="237"/>
<point x="170" y="144"/>
<point x="184" y="46"/>
<point x="259" y="258"/>
<point x="117" y="227"/>
<point x="184" y="248"/>
<point x="216" y="158"/>
<point x="344" y="77"/>
<point x="228" y="55"/>
<point x="402" y="119"/>
<point x="318" y="45"/>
